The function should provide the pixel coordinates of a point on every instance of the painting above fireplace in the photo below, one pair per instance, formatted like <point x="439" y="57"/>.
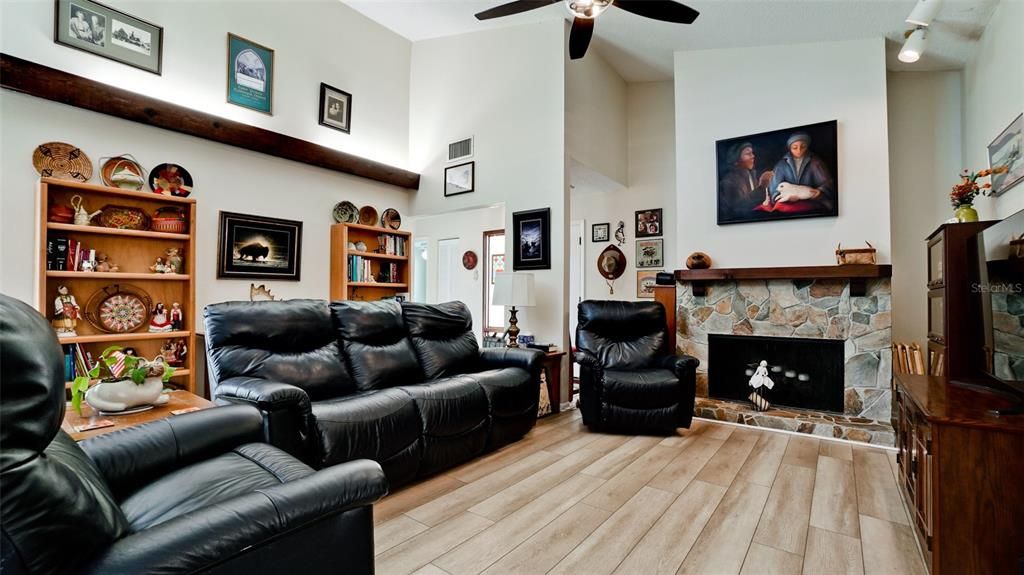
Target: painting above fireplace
<point x="808" y="373"/>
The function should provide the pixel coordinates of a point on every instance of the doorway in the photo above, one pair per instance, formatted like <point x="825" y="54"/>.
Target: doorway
<point x="577" y="278"/>
<point x="494" y="262"/>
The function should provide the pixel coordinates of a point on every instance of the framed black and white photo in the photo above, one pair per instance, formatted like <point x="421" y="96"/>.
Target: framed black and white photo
<point x="335" y="108"/>
<point x="1007" y="151"/>
<point x="600" y="232"/>
<point x="258" y="247"/>
<point x="779" y="175"/>
<point x="649" y="253"/>
<point x="649" y="223"/>
<point x="104" y="31"/>
<point x="531" y="240"/>
<point x="459" y="179"/>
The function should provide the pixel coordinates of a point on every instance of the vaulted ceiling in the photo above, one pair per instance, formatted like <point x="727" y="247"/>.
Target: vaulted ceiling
<point x="641" y="49"/>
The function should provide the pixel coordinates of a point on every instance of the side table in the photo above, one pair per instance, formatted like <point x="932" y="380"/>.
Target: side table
<point x="178" y="400"/>
<point x="553" y="375"/>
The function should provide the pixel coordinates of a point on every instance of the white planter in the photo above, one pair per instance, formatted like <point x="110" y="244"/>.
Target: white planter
<point x="125" y="394"/>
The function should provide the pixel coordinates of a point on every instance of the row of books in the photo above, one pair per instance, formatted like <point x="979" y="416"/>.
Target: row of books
<point x="77" y="361"/>
<point x="359" y="269"/>
<point x="389" y="273"/>
<point x="65" y="254"/>
<point x="393" y="245"/>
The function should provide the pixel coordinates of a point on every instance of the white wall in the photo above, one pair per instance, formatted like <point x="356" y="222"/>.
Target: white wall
<point x="733" y="92"/>
<point x="324" y="41"/>
<point x="595" y="115"/>
<point x="924" y="153"/>
<point x="468" y="226"/>
<point x="505" y="87"/>
<point x="226" y="178"/>
<point x="993" y="97"/>
<point x="650" y="144"/>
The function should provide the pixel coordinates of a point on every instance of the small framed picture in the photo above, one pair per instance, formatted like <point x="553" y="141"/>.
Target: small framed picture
<point x="101" y="30"/>
<point x="258" y="247"/>
<point x="459" y="179"/>
<point x="531" y="240"/>
<point x="648" y="223"/>
<point x="250" y="75"/>
<point x="1007" y="151"/>
<point x="335" y="108"/>
<point x="645" y="282"/>
<point x="600" y="232"/>
<point x="649" y="253"/>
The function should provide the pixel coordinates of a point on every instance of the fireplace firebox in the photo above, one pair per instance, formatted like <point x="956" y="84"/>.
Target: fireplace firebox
<point x="808" y="373"/>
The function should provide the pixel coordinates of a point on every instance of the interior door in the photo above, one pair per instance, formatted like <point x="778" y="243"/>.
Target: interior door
<point x="447" y="264"/>
<point x="577" y="278"/>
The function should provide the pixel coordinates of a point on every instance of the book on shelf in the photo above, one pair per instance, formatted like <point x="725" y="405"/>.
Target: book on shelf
<point x="391" y="245"/>
<point x="60" y="254"/>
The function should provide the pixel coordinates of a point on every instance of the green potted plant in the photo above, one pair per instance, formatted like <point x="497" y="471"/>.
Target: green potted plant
<point x="133" y="381"/>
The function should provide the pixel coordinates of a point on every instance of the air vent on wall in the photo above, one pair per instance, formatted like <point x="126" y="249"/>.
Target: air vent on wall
<point x="460" y="150"/>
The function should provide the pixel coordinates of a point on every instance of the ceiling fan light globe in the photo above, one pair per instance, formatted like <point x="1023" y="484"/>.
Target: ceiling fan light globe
<point x="588" y="9"/>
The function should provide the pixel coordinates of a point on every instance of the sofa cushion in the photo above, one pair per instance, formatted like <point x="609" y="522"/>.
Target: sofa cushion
<point x="640" y="388"/>
<point x="510" y="391"/>
<point x="449" y="406"/>
<point x="377" y="425"/>
<point x="442" y="336"/>
<point x="243" y="470"/>
<point x="375" y="344"/>
<point x="291" y="342"/>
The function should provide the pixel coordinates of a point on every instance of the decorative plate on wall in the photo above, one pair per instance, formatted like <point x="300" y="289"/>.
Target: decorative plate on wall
<point x="368" y="216"/>
<point x="391" y="219"/>
<point x="345" y="213"/>
<point x="118" y="309"/>
<point x="60" y="160"/>
<point x="122" y="172"/>
<point x="170" y="180"/>
<point x="469" y="260"/>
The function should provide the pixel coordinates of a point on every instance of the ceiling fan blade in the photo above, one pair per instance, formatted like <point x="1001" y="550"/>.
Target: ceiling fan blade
<point x="664" y="10"/>
<point x="514" y="8"/>
<point x="579" y="37"/>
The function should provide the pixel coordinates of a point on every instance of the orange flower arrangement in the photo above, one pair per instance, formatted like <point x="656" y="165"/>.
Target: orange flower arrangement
<point x="963" y="194"/>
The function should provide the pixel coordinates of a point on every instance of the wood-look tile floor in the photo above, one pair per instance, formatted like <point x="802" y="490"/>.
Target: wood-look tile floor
<point x="714" y="499"/>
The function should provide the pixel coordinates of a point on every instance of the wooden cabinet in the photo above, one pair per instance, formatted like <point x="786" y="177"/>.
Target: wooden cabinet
<point x="382" y="269"/>
<point x="951" y="334"/>
<point x="960" y="468"/>
<point x="134" y="251"/>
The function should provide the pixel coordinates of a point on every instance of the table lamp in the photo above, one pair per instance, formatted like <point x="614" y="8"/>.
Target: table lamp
<point x="512" y="289"/>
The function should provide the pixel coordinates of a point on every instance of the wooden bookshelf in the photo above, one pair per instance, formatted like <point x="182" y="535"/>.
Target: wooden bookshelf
<point x="133" y="251"/>
<point x="344" y="288"/>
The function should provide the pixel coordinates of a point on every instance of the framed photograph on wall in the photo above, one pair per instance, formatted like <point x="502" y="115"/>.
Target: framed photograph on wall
<point x="649" y="223"/>
<point x="258" y="247"/>
<point x="101" y="30"/>
<point x="649" y="253"/>
<point x="459" y="179"/>
<point x="779" y="175"/>
<point x="250" y="75"/>
<point x="335" y="108"/>
<point x="1007" y="150"/>
<point x="600" y="232"/>
<point x="531" y="240"/>
<point x="645" y="282"/>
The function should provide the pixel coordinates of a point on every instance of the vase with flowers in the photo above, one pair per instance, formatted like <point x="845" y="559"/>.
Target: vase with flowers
<point x="963" y="194"/>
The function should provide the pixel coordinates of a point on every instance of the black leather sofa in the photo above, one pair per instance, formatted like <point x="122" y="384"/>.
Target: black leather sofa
<point x="402" y="384"/>
<point x="192" y="493"/>
<point x="629" y="380"/>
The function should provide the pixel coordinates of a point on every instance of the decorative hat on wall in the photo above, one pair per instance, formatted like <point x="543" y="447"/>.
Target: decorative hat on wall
<point x="611" y="264"/>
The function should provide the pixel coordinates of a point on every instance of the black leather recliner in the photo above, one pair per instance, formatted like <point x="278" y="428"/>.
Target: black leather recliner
<point x="629" y="381"/>
<point x="196" y="492"/>
<point x="402" y="384"/>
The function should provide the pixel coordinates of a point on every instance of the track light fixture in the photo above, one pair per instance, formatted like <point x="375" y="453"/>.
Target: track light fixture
<point x="914" y="46"/>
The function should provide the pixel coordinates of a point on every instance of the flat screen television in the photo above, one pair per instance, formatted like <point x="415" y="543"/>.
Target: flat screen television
<point x="1001" y="286"/>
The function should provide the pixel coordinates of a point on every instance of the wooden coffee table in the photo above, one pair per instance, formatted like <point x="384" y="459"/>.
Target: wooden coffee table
<point x="179" y="400"/>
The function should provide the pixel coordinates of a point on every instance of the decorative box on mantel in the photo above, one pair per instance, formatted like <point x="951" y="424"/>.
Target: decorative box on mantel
<point x="849" y="303"/>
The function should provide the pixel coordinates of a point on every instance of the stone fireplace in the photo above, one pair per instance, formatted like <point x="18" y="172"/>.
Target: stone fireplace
<point x="819" y="313"/>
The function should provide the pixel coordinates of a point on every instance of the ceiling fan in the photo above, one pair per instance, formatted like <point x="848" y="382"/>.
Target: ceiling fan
<point x="586" y="11"/>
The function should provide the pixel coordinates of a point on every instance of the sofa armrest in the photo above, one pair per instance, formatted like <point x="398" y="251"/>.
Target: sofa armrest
<point x="288" y="421"/>
<point x="678" y="364"/>
<point x="587" y="359"/>
<point x="223" y="532"/>
<point x="134" y="456"/>
<point x="496" y="358"/>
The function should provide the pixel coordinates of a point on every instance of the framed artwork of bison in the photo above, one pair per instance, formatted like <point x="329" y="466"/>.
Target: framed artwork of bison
<point x="258" y="247"/>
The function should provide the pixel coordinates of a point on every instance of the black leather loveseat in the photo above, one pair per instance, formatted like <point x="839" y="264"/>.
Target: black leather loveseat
<point x="402" y="384"/>
<point x="192" y="493"/>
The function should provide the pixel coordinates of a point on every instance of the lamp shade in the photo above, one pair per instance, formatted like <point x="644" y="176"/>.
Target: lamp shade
<point x="513" y="289"/>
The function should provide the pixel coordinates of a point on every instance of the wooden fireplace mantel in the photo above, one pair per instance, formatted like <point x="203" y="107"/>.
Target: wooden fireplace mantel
<point x="856" y="274"/>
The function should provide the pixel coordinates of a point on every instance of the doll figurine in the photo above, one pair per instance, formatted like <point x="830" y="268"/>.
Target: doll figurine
<point x="760" y="377"/>
<point x="174" y="260"/>
<point x="159" y="322"/>
<point x="177" y="317"/>
<point x="103" y="263"/>
<point x="161" y="267"/>
<point x="65" y="312"/>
